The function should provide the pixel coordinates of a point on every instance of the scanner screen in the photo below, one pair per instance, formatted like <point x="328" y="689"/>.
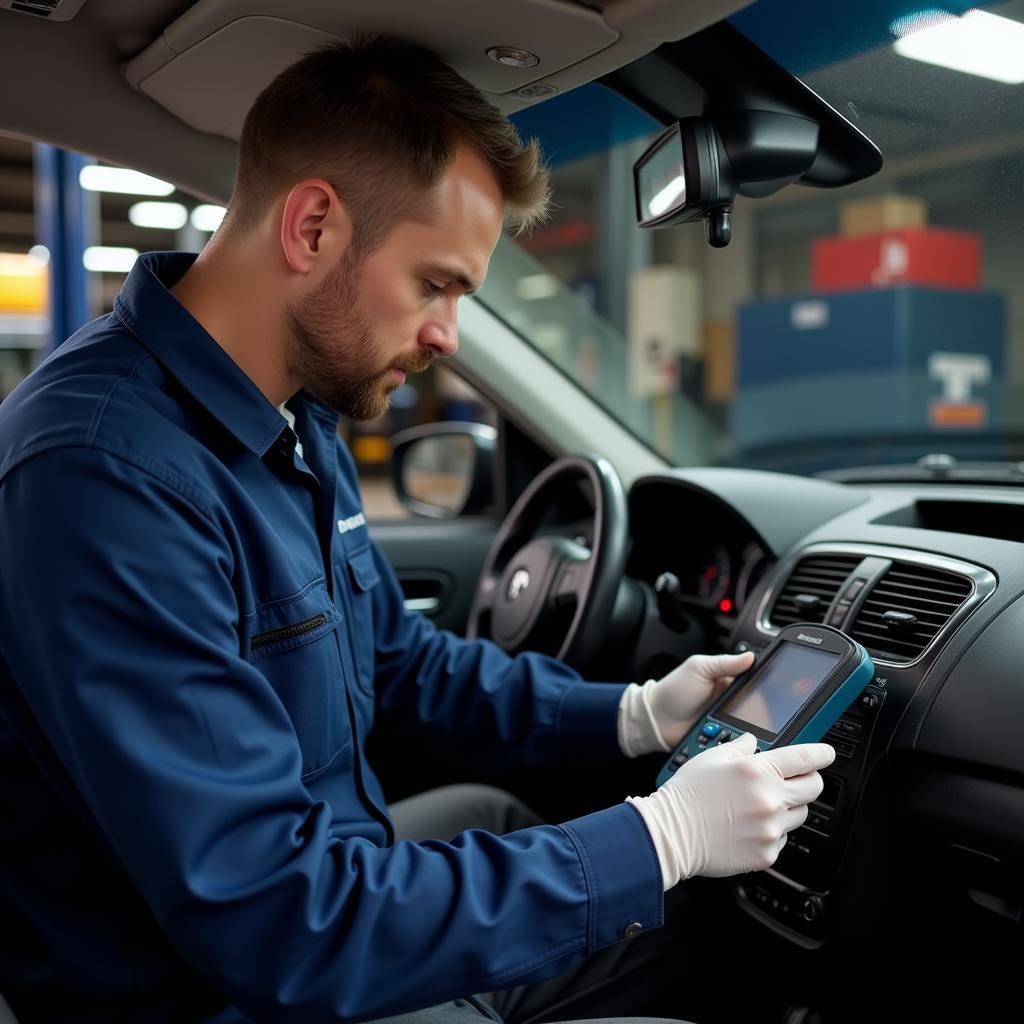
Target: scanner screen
<point x="782" y="686"/>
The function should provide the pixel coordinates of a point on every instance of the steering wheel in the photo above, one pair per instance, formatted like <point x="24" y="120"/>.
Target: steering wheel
<point x="552" y="593"/>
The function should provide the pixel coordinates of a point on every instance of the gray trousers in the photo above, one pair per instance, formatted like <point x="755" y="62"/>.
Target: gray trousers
<point x="607" y="985"/>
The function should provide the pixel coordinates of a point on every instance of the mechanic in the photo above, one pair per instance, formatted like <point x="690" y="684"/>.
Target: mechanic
<point x="199" y="632"/>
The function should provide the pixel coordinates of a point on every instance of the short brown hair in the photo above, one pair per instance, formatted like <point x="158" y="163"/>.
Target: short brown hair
<point x="380" y="119"/>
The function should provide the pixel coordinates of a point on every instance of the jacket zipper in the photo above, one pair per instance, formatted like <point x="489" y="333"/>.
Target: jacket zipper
<point x="286" y="632"/>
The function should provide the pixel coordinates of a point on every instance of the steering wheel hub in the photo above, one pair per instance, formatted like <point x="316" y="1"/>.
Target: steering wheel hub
<point x="522" y="592"/>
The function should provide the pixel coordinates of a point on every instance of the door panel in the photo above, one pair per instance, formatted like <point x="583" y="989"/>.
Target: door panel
<point x="438" y="564"/>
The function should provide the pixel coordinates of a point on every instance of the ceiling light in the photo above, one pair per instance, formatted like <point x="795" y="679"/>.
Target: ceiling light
<point x="513" y="57"/>
<point x="537" y="286"/>
<point x="207" y="217"/>
<point x="119" y="179"/>
<point x="978" y="43"/>
<point x="40" y="254"/>
<point x="158" y="215"/>
<point x="109" y="259"/>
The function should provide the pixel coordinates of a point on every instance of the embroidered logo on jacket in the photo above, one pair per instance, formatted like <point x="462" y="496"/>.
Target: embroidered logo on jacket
<point x="352" y="523"/>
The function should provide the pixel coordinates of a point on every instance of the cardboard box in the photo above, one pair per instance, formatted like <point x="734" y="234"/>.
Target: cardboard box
<point x="718" y="344"/>
<point x="881" y="213"/>
<point x="934" y="257"/>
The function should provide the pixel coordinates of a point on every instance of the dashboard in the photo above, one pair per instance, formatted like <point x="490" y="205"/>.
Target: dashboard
<point x="920" y="829"/>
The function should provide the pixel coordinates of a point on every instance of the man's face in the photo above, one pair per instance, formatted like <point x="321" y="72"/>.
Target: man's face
<point x="379" y="318"/>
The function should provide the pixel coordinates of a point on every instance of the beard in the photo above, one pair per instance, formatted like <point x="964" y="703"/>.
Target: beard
<point x="334" y="352"/>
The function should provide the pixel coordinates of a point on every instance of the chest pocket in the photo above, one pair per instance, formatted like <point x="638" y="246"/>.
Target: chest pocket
<point x="362" y="576"/>
<point x="293" y="642"/>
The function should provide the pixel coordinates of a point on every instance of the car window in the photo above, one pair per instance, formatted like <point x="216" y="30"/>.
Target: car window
<point x="873" y="323"/>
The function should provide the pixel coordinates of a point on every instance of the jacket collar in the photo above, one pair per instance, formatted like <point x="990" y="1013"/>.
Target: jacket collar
<point x="147" y="308"/>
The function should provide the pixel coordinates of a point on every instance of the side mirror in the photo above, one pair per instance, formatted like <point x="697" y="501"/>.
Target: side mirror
<point x="444" y="470"/>
<point x="695" y="169"/>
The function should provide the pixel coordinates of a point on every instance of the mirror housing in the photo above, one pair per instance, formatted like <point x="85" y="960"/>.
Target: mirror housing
<point x="695" y="169"/>
<point x="443" y="470"/>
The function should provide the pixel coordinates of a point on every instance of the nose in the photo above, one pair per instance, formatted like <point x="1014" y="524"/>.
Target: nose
<point x="440" y="334"/>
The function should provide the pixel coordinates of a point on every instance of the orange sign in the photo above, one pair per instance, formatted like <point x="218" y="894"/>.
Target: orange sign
<point x="943" y="414"/>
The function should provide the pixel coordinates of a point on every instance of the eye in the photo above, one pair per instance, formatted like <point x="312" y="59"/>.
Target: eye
<point x="430" y="289"/>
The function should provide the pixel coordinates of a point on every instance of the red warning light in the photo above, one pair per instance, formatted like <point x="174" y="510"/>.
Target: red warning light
<point x="725" y="605"/>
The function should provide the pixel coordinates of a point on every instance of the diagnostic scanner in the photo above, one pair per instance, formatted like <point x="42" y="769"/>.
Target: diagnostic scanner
<point x="795" y="692"/>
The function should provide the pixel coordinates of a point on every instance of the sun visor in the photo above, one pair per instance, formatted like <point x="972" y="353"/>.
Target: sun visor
<point x="209" y="65"/>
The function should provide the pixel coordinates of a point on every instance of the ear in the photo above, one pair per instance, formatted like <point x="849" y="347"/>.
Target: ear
<point x="316" y="228"/>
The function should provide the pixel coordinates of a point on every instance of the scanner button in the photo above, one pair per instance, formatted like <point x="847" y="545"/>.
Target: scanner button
<point x="725" y="736"/>
<point x="680" y="759"/>
<point x="702" y="740"/>
<point x="711" y="729"/>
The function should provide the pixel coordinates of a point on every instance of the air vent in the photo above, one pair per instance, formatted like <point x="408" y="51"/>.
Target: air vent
<point x="55" y="10"/>
<point x="907" y="609"/>
<point x="809" y="590"/>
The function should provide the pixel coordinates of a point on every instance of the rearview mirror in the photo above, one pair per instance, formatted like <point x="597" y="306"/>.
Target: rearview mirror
<point x="695" y="169"/>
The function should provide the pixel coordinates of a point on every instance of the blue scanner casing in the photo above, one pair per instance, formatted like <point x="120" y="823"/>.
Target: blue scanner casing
<point x="795" y="692"/>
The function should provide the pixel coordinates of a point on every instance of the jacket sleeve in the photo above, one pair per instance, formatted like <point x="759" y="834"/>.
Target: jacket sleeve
<point x="529" y="709"/>
<point x="185" y="764"/>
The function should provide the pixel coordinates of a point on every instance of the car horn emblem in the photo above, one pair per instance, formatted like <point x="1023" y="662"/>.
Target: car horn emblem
<point x="520" y="581"/>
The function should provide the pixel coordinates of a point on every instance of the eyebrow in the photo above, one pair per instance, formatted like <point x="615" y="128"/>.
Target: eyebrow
<point x="468" y="286"/>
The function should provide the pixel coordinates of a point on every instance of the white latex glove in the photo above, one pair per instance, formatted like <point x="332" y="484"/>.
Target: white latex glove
<point x="657" y="715"/>
<point x="729" y="809"/>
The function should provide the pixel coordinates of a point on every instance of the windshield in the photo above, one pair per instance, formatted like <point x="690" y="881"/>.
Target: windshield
<point x="841" y="327"/>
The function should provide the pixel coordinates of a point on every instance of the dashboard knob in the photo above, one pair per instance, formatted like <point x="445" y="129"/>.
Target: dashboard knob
<point x="811" y="909"/>
<point x="668" y="589"/>
<point x="667" y="582"/>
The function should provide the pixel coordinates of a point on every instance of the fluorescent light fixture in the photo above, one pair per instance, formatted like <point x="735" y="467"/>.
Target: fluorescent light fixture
<point x="19" y="264"/>
<point x="978" y="43"/>
<point x="207" y="217"/>
<point x="667" y="196"/>
<point x="109" y="259"/>
<point x="536" y="286"/>
<point x="119" y="179"/>
<point x="158" y="215"/>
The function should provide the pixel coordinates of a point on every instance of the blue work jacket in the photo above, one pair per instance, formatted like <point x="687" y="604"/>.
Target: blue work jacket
<point x="197" y="633"/>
